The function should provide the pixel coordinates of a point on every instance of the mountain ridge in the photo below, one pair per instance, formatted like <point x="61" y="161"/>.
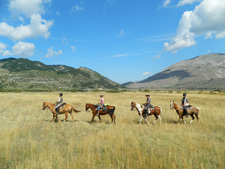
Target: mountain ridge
<point x="25" y="74"/>
<point x="199" y="73"/>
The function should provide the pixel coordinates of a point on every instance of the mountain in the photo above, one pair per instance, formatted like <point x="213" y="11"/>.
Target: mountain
<point x="24" y="74"/>
<point x="205" y="72"/>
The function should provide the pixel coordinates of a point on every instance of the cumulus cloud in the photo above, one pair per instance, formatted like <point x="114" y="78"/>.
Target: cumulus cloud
<point x="206" y="19"/>
<point x="37" y="27"/>
<point x="27" y="7"/>
<point x="166" y="3"/>
<point x="185" y="2"/>
<point x="146" y="73"/>
<point x="2" y="47"/>
<point x="52" y="53"/>
<point x="23" y="49"/>
<point x="32" y="10"/>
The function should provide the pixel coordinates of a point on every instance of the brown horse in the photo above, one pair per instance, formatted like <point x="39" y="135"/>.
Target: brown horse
<point x="191" y="111"/>
<point x="157" y="111"/>
<point x="66" y="109"/>
<point x="109" y="110"/>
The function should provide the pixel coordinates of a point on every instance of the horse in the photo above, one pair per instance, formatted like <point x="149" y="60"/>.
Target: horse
<point x="110" y="110"/>
<point x="191" y="111"/>
<point x="66" y="109"/>
<point x="157" y="111"/>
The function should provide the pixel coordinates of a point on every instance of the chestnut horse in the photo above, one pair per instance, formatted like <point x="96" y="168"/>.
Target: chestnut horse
<point x="157" y="111"/>
<point x="191" y="111"/>
<point x="66" y="109"/>
<point x="109" y="110"/>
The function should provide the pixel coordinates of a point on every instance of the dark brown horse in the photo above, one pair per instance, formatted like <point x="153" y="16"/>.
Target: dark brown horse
<point x="66" y="109"/>
<point x="192" y="111"/>
<point x="109" y="110"/>
<point x="156" y="111"/>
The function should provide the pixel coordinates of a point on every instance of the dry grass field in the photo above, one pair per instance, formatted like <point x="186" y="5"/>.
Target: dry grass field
<point x="29" y="140"/>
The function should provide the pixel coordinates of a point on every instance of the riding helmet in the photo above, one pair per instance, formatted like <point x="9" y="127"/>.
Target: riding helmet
<point x="60" y="94"/>
<point x="184" y="94"/>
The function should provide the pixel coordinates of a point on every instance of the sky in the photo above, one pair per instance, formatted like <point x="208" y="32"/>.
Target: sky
<point x="123" y="40"/>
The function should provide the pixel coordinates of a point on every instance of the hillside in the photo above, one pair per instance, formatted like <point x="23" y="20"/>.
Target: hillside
<point x="205" y="72"/>
<point x="24" y="74"/>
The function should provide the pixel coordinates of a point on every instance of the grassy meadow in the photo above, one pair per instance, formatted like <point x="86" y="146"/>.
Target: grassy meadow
<point x="28" y="138"/>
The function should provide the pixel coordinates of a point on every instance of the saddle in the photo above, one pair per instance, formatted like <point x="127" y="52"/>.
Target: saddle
<point x="62" y="106"/>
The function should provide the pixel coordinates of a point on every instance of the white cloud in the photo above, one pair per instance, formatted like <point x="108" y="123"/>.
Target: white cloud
<point x="58" y="13"/>
<point x="22" y="49"/>
<point x="52" y="53"/>
<point x="32" y="9"/>
<point x="76" y="8"/>
<point x="206" y="19"/>
<point x="37" y="27"/>
<point x="146" y="73"/>
<point x="121" y="34"/>
<point x="120" y="55"/>
<point x="73" y="48"/>
<point x="27" y="7"/>
<point x="157" y="56"/>
<point x="7" y="53"/>
<point x="166" y="3"/>
<point x="185" y="2"/>
<point x="2" y="47"/>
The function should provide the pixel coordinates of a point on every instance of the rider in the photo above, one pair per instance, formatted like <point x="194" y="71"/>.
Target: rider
<point x="147" y="103"/>
<point x="100" y="105"/>
<point x="185" y="104"/>
<point x="59" y="103"/>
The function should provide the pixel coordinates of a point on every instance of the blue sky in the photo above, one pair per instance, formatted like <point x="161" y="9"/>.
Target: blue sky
<point x="124" y="40"/>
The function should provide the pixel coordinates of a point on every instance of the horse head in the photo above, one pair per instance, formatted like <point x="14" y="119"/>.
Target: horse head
<point x="132" y="105"/>
<point x="171" y="105"/>
<point x="44" y="106"/>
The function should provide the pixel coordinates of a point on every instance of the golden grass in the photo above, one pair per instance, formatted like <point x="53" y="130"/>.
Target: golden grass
<point x="30" y="140"/>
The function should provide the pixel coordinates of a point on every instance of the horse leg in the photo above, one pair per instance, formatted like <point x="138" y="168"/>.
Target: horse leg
<point x="53" y="118"/>
<point x="66" y="116"/>
<point x="111" y="117"/>
<point x="160" y="119"/>
<point x="93" y="116"/>
<point x="196" y="115"/>
<point x="183" y="120"/>
<point x="146" y="120"/>
<point x="114" y="118"/>
<point x="57" y="118"/>
<point x="140" y="119"/>
<point x="72" y="116"/>
<point x="156" y="118"/>
<point x="192" y="115"/>
<point x="99" y="118"/>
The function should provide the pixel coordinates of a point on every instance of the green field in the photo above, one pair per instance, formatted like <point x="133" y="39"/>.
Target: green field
<point x="29" y="140"/>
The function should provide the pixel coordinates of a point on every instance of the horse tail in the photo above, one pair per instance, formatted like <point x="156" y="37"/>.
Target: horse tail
<point x="76" y="111"/>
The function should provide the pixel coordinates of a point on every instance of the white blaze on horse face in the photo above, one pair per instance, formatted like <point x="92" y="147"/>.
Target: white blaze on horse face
<point x="171" y="105"/>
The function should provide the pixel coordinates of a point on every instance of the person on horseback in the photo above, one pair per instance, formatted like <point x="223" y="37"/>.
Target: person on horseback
<point x="100" y="105"/>
<point x="185" y="104"/>
<point x="147" y="103"/>
<point x="59" y="103"/>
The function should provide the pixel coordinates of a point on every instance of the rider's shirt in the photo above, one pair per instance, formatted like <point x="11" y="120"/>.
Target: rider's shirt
<point x="102" y="101"/>
<point x="148" y="101"/>
<point x="185" y="101"/>
<point x="60" y="101"/>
